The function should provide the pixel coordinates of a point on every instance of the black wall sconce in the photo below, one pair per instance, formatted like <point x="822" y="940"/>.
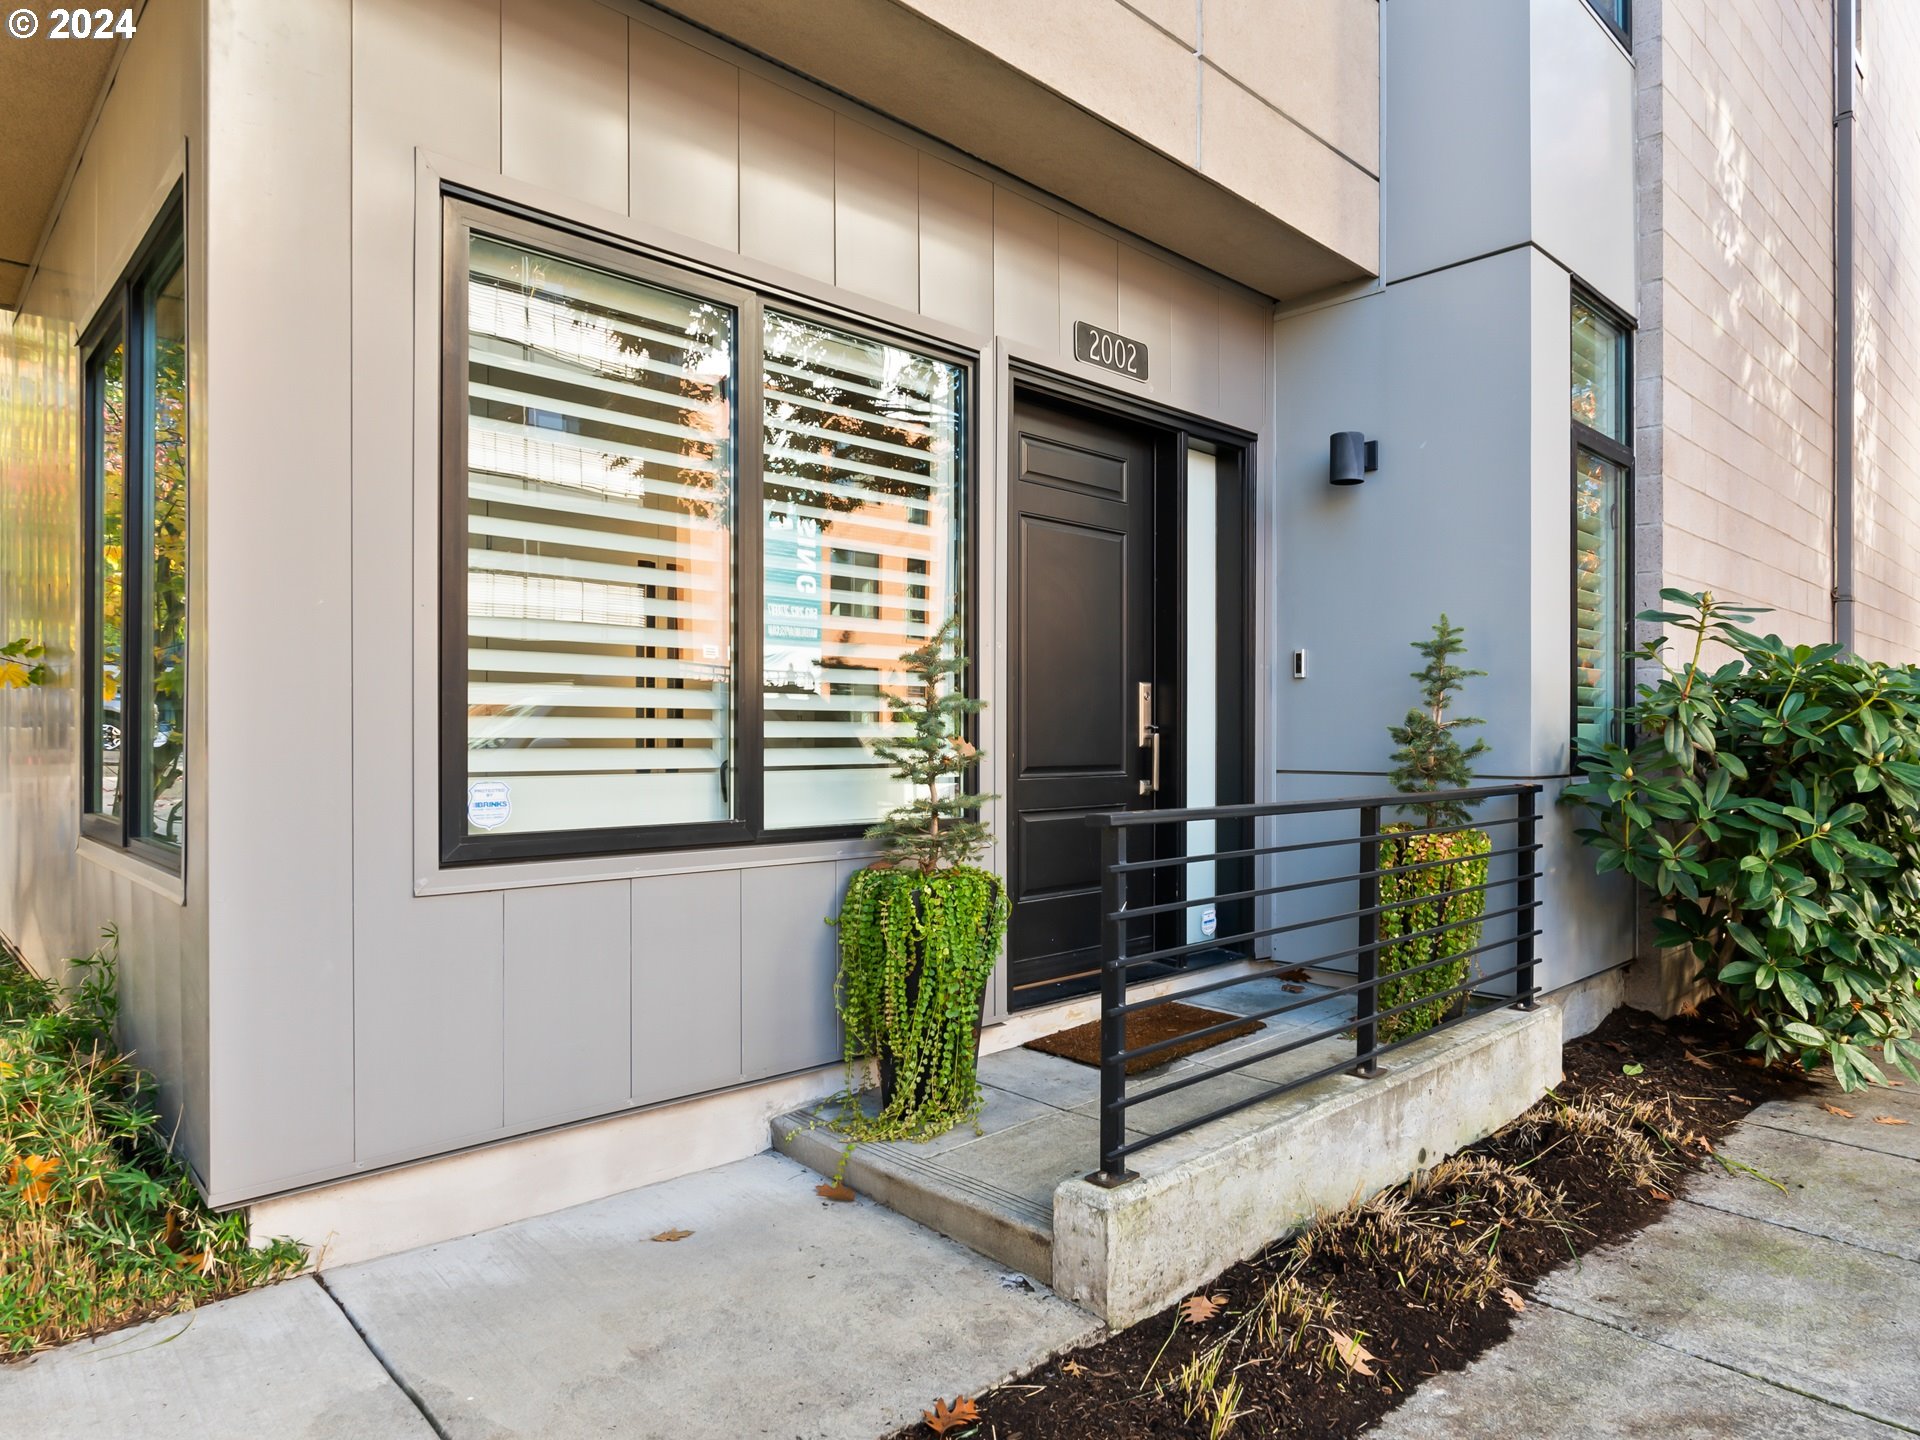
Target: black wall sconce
<point x="1351" y="457"/>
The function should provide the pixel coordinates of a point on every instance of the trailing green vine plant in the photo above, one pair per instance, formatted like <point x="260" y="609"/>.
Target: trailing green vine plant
<point x="921" y="928"/>
<point x="1435" y="868"/>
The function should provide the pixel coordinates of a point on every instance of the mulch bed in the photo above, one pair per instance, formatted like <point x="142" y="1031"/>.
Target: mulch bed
<point x="1146" y="1027"/>
<point x="1692" y="1071"/>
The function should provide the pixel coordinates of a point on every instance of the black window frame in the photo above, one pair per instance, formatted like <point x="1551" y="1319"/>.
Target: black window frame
<point x="125" y="317"/>
<point x="1617" y="16"/>
<point x="1586" y="437"/>
<point x="465" y="214"/>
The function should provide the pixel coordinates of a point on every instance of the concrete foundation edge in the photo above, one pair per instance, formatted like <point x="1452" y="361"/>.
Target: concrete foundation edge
<point x="1127" y="1252"/>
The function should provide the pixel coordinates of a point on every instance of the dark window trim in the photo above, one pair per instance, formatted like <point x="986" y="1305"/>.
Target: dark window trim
<point x="1585" y="437"/>
<point x="465" y="214"/>
<point x="1621" y="31"/>
<point x="123" y="316"/>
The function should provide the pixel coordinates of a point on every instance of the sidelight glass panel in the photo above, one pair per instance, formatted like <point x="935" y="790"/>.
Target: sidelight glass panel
<point x="162" y="708"/>
<point x="1200" y="700"/>
<point x="1599" y="618"/>
<point x="107" y="386"/>
<point x="862" y="550"/>
<point x="600" y="512"/>
<point x="1599" y="389"/>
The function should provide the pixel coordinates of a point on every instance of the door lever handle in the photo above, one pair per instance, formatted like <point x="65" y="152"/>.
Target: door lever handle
<point x="1151" y="785"/>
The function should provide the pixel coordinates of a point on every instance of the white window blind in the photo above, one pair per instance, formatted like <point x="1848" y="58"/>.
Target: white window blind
<point x="1598" y="621"/>
<point x="860" y="485"/>
<point x="600" y="492"/>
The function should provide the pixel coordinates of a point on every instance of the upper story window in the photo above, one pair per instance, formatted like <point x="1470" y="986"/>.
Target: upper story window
<point x="1619" y="17"/>
<point x="135" y="643"/>
<point x="686" y="537"/>
<point x="1602" y="489"/>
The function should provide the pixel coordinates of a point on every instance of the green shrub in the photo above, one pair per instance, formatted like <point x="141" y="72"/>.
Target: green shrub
<point x="1771" y="805"/>
<point x="1424" y="896"/>
<point x="100" y="1224"/>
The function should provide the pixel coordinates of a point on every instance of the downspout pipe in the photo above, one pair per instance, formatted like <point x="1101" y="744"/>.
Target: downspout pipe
<point x="1844" y="47"/>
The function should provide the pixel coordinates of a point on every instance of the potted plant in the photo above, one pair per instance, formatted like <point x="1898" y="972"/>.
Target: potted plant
<point x="921" y="927"/>
<point x="1441" y="866"/>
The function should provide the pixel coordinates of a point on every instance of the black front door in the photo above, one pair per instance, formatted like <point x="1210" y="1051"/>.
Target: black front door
<point x="1082" y="629"/>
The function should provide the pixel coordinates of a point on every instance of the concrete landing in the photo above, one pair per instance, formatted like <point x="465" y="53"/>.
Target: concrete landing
<point x="1012" y="1187"/>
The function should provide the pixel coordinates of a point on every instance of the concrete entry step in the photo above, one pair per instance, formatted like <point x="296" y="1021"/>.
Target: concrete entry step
<point x="1013" y="1188"/>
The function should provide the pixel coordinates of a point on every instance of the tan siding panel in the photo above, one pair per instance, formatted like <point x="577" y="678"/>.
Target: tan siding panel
<point x="563" y="103"/>
<point x="956" y="245"/>
<point x="786" y="178"/>
<point x="685" y="107"/>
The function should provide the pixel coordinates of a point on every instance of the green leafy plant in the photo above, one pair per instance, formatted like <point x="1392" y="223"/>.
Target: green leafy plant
<point x="920" y="930"/>
<point x="1772" y="804"/>
<point x="100" y="1223"/>
<point x="1434" y="868"/>
<point x="21" y="665"/>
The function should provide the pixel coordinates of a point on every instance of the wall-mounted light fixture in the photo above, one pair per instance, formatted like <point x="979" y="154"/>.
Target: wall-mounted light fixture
<point x="1351" y="457"/>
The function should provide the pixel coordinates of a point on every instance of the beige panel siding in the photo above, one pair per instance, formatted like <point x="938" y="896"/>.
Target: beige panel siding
<point x="569" y="991"/>
<point x="1146" y="307"/>
<point x="1735" y="350"/>
<point x="1026" y="270"/>
<point x="786" y="178"/>
<point x="563" y="98"/>
<point x="956" y="245"/>
<point x="685" y="108"/>
<point x="1089" y="280"/>
<point x="876" y="227"/>
<point x="1312" y="60"/>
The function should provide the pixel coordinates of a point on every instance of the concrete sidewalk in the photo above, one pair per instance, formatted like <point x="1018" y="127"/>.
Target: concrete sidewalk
<point x="780" y="1314"/>
<point x="1745" y="1312"/>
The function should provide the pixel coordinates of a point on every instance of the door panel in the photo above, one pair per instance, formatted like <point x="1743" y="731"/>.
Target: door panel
<point x="1081" y="591"/>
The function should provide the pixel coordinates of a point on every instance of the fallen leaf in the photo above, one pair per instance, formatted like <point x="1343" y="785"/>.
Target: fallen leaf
<point x="1705" y="1144"/>
<point x="1514" y="1300"/>
<point x="1740" y="1099"/>
<point x="667" y="1237"/>
<point x="1633" y="1069"/>
<point x="1693" y="1059"/>
<point x="1658" y="1193"/>
<point x="1836" y="1110"/>
<point x="827" y="1190"/>
<point x="1073" y="1368"/>
<point x="944" y="1417"/>
<point x="1889" y="1120"/>
<point x="1295" y="974"/>
<point x="1353" y="1354"/>
<point x="1200" y="1308"/>
<point x="1455" y="1224"/>
<point x="1293" y="989"/>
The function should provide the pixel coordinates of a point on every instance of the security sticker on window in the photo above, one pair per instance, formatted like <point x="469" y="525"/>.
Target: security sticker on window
<point x="1209" y="922"/>
<point x="489" y="804"/>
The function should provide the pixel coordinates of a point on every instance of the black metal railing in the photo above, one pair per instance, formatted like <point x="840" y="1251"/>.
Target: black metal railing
<point x="1148" y="862"/>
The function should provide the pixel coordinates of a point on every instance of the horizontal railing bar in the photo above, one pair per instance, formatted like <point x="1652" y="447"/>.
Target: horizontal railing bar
<point x="1169" y="906"/>
<point x="1315" y="1037"/>
<point x="1130" y="819"/>
<point x="1303" y="1002"/>
<point x="1340" y="1066"/>
<point x="1256" y="850"/>
<point x="1127" y="962"/>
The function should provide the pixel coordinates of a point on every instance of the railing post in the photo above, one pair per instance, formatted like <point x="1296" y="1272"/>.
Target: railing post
<point x="1528" y="869"/>
<point x="1366" y="1030"/>
<point x="1113" y="994"/>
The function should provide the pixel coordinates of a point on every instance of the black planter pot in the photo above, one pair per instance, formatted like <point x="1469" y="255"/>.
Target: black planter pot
<point x="889" y="1081"/>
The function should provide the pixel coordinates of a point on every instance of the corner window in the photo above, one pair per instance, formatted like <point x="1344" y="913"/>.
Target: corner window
<point x="134" y="750"/>
<point x="1618" y="16"/>
<point x="663" y="624"/>
<point x="1602" y="486"/>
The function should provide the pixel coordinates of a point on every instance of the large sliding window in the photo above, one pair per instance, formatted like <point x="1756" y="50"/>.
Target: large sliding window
<point x="686" y="537"/>
<point x="134" y="746"/>
<point x="1602" y="488"/>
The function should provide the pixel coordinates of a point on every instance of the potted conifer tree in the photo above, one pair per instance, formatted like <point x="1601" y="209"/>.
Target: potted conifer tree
<point x="921" y="927"/>
<point x="1429" y="892"/>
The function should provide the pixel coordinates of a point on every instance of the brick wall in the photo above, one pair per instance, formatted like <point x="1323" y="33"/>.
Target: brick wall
<point x="1887" y="295"/>
<point x="1735" y="409"/>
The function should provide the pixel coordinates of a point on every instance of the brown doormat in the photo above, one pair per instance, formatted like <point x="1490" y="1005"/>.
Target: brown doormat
<point x="1146" y="1027"/>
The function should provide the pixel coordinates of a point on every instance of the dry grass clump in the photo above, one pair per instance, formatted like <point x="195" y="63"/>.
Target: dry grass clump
<point x="100" y="1223"/>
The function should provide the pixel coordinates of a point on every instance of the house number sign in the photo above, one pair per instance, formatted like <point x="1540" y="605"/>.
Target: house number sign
<point x="1109" y="351"/>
